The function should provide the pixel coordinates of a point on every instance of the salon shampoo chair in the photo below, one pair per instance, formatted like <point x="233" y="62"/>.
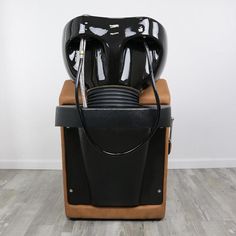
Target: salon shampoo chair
<point x="115" y="118"/>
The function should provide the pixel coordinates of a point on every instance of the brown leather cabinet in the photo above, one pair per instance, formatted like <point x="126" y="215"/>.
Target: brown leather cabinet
<point x="84" y="211"/>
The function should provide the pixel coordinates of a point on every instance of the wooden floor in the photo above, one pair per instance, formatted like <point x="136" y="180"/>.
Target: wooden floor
<point x="199" y="202"/>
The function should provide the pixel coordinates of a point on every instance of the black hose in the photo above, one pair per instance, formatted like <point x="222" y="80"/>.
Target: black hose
<point x="113" y="96"/>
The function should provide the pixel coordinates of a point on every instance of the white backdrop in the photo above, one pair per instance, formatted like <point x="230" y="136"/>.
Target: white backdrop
<point x="200" y="69"/>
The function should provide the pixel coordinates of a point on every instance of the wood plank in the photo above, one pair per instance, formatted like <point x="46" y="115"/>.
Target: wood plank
<point x="199" y="202"/>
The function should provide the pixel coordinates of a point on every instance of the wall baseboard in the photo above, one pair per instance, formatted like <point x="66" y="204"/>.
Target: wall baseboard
<point x="174" y="163"/>
<point x="31" y="164"/>
<point x="179" y="163"/>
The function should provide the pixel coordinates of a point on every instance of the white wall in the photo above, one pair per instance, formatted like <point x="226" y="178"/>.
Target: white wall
<point x="201" y="71"/>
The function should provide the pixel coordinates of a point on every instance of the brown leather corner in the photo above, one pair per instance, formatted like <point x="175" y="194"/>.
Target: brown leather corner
<point x="147" y="96"/>
<point x="141" y="212"/>
<point x="67" y="96"/>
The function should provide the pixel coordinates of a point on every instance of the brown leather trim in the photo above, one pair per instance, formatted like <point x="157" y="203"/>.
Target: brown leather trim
<point x="64" y="169"/>
<point x="67" y="96"/>
<point x="139" y="212"/>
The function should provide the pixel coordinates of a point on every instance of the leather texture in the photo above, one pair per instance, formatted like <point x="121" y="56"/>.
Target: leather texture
<point x="67" y="96"/>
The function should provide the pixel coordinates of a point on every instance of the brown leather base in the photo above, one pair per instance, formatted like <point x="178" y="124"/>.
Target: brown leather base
<point x="140" y="212"/>
<point x="148" y="212"/>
